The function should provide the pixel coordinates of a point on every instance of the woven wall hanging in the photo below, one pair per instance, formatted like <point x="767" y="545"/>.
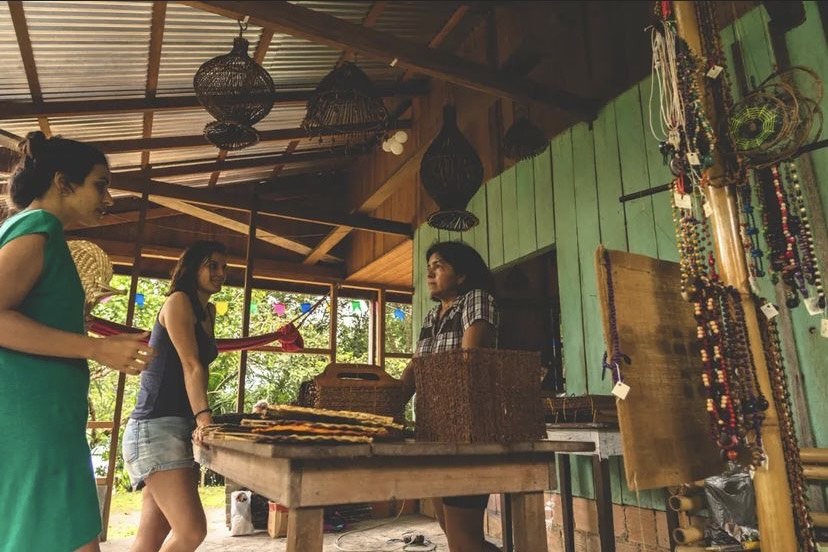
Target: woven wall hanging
<point x="451" y="173"/>
<point x="238" y="92"/>
<point x="347" y="104"/>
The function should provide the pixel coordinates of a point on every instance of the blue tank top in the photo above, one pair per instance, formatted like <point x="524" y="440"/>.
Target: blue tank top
<point x="162" y="391"/>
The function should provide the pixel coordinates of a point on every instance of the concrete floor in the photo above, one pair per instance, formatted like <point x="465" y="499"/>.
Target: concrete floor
<point x="370" y="540"/>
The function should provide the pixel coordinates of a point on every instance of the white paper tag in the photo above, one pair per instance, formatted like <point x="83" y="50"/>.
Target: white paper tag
<point x="753" y="285"/>
<point x="683" y="201"/>
<point x="812" y="304"/>
<point x="708" y="210"/>
<point x="824" y="327"/>
<point x="621" y="390"/>
<point x="769" y="310"/>
<point x="715" y="71"/>
<point x="693" y="158"/>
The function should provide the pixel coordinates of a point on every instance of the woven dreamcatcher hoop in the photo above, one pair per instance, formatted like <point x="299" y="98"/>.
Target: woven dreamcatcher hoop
<point x="95" y="271"/>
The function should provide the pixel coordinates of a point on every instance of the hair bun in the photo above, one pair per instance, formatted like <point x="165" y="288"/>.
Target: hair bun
<point x="34" y="144"/>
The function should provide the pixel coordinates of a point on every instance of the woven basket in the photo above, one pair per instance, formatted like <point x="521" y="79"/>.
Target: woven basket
<point x="478" y="396"/>
<point x="95" y="271"/>
<point x="356" y="387"/>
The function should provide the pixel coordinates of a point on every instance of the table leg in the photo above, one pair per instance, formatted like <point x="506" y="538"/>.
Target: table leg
<point x="304" y="531"/>
<point x="528" y="522"/>
<point x="672" y="522"/>
<point x="506" y="522"/>
<point x="567" y="516"/>
<point x="603" y="497"/>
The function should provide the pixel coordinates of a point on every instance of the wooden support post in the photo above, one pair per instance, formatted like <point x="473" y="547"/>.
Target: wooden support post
<point x="248" y="292"/>
<point x="304" y="531"/>
<point x="603" y="499"/>
<point x="528" y="522"/>
<point x="567" y="514"/>
<point x="334" y="307"/>
<point x="379" y="320"/>
<point x="773" y="496"/>
<point x="119" y="393"/>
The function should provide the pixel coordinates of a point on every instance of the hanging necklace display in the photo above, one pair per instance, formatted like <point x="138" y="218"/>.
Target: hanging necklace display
<point x="790" y="446"/>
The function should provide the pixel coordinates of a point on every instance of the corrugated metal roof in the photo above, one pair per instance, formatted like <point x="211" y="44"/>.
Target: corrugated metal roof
<point x="181" y="155"/>
<point x="416" y="21"/>
<point x="191" y="37"/>
<point x="180" y="123"/>
<point x="90" y="49"/>
<point x="15" y="86"/>
<point x="99" y="127"/>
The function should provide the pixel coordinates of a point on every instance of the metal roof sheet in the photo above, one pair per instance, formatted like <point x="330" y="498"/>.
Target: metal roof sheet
<point x="15" y="86"/>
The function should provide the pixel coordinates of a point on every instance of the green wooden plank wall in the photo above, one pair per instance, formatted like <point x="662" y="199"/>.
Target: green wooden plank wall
<point x="569" y="197"/>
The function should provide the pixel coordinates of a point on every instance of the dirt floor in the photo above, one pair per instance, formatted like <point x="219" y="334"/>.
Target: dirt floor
<point x="370" y="539"/>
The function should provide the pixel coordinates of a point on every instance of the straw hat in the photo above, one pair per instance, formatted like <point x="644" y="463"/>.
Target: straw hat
<point x="95" y="271"/>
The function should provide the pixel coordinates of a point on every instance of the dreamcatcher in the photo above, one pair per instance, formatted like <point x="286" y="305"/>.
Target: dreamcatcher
<point x="774" y="121"/>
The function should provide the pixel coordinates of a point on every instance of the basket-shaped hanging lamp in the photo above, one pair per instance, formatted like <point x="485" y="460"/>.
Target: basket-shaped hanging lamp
<point x="524" y="140"/>
<point x="95" y="271"/>
<point x="451" y="173"/>
<point x="238" y="92"/>
<point x="346" y="103"/>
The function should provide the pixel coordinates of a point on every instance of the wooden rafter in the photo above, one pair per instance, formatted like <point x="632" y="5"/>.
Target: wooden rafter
<point x="10" y="141"/>
<point x="24" y="42"/>
<point x="129" y="217"/>
<point x="370" y="20"/>
<point x="325" y="29"/>
<point x="27" y="110"/>
<point x="217" y="198"/>
<point x="159" y="13"/>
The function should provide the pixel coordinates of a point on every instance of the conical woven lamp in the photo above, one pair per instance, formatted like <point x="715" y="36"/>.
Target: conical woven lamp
<point x="524" y="140"/>
<point x="95" y="271"/>
<point x="451" y="173"/>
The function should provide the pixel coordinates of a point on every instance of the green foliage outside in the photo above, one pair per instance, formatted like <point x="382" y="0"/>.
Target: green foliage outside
<point x="274" y="377"/>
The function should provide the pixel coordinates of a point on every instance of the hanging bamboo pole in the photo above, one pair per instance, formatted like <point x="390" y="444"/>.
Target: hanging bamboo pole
<point x="248" y="292"/>
<point x="774" y="509"/>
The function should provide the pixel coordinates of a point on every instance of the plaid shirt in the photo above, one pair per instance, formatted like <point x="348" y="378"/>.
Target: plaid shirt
<point x="446" y="334"/>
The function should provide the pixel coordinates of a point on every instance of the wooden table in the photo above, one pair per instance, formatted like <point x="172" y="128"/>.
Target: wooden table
<point x="305" y="478"/>
<point x="606" y="441"/>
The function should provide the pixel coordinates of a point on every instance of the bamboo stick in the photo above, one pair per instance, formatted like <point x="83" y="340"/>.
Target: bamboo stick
<point x="815" y="472"/>
<point x="774" y="508"/>
<point x="686" y="535"/>
<point x="684" y="548"/>
<point x="814" y="455"/>
<point x="684" y="503"/>
<point x="820" y="519"/>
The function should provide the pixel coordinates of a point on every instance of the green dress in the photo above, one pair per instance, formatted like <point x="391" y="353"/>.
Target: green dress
<point x="49" y="502"/>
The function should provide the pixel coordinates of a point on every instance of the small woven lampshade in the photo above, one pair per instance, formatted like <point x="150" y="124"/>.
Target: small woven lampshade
<point x="524" y="140"/>
<point x="451" y="173"/>
<point x="95" y="271"/>
<point x="346" y="103"/>
<point x="238" y="92"/>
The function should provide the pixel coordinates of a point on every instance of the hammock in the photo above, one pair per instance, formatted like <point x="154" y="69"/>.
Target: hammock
<point x="288" y="335"/>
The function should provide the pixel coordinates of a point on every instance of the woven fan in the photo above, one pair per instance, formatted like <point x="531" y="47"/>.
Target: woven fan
<point x="95" y="271"/>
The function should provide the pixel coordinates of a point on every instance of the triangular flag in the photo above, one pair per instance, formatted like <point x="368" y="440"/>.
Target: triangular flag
<point x="399" y="314"/>
<point x="279" y="309"/>
<point x="254" y="307"/>
<point x="221" y="307"/>
<point x="139" y="299"/>
<point x="305" y="307"/>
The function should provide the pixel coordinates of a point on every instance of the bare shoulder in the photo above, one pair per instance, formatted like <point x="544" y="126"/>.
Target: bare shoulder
<point x="177" y="308"/>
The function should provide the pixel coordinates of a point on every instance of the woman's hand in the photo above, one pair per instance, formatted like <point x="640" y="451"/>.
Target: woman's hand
<point x="125" y="353"/>
<point x="202" y="420"/>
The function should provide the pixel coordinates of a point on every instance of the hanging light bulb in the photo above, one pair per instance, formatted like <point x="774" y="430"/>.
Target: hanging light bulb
<point x="396" y="148"/>
<point x="401" y="136"/>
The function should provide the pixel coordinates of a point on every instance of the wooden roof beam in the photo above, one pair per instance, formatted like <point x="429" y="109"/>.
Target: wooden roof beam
<point x="136" y="184"/>
<point x="69" y="108"/>
<point x="325" y="29"/>
<point x="128" y="217"/>
<point x="24" y="42"/>
<point x="159" y="14"/>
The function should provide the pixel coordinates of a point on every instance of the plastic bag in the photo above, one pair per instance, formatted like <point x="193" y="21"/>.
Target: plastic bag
<point x="732" y="507"/>
<point x="241" y="518"/>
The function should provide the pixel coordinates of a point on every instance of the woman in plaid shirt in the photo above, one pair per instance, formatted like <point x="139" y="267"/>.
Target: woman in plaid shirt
<point x="465" y="317"/>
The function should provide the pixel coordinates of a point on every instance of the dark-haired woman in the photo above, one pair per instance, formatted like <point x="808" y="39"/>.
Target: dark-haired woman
<point x="172" y="406"/>
<point x="46" y="478"/>
<point x="465" y="317"/>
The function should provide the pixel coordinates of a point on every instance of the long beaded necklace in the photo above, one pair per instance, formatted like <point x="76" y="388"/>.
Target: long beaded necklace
<point x="805" y="241"/>
<point x="790" y="445"/>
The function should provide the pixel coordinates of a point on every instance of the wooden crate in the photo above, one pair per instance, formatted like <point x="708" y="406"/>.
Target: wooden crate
<point x="478" y="396"/>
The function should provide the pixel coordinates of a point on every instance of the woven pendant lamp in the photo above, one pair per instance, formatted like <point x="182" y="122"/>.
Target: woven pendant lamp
<point x="451" y="173"/>
<point x="524" y="140"/>
<point x="238" y="92"/>
<point x="346" y="103"/>
<point x="95" y="271"/>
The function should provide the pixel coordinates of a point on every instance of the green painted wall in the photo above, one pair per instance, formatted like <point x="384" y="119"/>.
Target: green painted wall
<point x="567" y="197"/>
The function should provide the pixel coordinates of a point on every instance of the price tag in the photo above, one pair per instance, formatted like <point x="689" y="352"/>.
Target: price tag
<point x="708" y="210"/>
<point x="621" y="390"/>
<point x="715" y="71"/>
<point x="683" y="201"/>
<point x="812" y="304"/>
<point x="769" y="310"/>
<point x="693" y="158"/>
<point x="824" y="327"/>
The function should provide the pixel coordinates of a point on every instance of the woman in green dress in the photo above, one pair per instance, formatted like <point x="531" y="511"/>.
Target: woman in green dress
<point x="46" y="479"/>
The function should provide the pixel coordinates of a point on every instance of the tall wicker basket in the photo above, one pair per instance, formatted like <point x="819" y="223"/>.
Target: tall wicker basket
<point x="357" y="387"/>
<point x="478" y="396"/>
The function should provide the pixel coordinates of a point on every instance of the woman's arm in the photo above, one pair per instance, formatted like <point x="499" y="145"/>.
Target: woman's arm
<point x="178" y="317"/>
<point x="480" y="334"/>
<point x="21" y="263"/>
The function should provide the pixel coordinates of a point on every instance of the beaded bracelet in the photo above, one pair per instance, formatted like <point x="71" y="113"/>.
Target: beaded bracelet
<point x="200" y="412"/>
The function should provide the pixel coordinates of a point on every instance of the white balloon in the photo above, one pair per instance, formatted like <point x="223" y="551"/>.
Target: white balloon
<point x="386" y="146"/>
<point x="396" y="148"/>
<point x="401" y="136"/>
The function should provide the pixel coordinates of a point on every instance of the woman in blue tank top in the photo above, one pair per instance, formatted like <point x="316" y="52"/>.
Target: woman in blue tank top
<point x="172" y="405"/>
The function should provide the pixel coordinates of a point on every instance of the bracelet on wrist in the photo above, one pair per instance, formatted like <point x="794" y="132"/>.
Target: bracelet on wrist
<point x="200" y="412"/>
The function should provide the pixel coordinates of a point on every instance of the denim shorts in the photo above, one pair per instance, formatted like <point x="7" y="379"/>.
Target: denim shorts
<point x="158" y="444"/>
